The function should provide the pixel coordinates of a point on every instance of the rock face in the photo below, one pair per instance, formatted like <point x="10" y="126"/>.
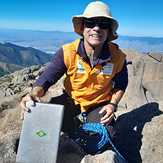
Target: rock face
<point x="140" y="128"/>
<point x="139" y="117"/>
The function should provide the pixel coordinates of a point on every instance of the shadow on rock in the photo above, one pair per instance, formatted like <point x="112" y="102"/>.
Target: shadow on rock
<point x="129" y="128"/>
<point x="69" y="151"/>
<point x="16" y="145"/>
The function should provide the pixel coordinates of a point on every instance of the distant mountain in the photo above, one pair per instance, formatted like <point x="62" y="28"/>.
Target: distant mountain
<point x="50" y="41"/>
<point x="14" y="57"/>
<point x="22" y="48"/>
<point x="141" y="44"/>
<point x="47" y="41"/>
<point x="14" y="54"/>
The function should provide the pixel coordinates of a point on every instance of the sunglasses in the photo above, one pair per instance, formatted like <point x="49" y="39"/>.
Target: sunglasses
<point x="91" y="23"/>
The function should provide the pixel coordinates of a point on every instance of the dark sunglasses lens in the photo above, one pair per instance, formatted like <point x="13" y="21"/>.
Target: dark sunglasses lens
<point x="103" y="25"/>
<point x="93" y="23"/>
<point x="89" y="23"/>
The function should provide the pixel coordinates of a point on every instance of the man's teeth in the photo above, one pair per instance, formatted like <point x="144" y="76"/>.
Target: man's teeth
<point x="95" y="35"/>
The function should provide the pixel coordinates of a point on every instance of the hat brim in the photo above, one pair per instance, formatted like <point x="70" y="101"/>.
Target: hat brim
<point x="79" y="26"/>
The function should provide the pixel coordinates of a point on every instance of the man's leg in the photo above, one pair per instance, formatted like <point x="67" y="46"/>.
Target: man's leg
<point x="70" y="121"/>
<point x="94" y="116"/>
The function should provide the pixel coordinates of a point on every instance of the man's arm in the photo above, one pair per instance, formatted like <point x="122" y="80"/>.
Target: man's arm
<point x="116" y="97"/>
<point x="53" y="72"/>
<point x="120" y="84"/>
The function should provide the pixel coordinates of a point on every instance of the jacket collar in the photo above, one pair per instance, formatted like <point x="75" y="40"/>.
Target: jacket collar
<point x="103" y="57"/>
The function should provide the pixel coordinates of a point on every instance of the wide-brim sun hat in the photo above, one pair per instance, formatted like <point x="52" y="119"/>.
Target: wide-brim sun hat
<point x="96" y="9"/>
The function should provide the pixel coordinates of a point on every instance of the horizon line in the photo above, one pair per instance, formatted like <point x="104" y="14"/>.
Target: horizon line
<point x="40" y="30"/>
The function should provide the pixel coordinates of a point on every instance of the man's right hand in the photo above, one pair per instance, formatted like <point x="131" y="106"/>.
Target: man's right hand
<point x="29" y="99"/>
<point x="24" y="103"/>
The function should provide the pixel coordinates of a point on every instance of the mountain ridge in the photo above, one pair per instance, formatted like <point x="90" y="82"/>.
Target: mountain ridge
<point x="30" y="47"/>
<point x="50" y="41"/>
<point x="14" y="57"/>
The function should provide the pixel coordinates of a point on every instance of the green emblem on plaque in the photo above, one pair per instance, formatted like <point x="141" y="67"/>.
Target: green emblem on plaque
<point x="41" y="133"/>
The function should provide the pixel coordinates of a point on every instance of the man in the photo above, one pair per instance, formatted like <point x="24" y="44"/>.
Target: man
<point x="95" y="68"/>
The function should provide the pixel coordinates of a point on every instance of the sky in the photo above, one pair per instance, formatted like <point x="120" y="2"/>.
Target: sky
<point x="135" y="17"/>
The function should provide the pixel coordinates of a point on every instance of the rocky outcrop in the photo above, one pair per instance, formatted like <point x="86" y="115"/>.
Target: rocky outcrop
<point x="140" y="125"/>
<point x="18" y="81"/>
<point x="139" y="117"/>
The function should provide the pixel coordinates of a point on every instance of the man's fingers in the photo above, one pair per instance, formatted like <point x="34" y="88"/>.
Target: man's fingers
<point x="107" y="120"/>
<point x="109" y="114"/>
<point x="24" y="109"/>
<point x="102" y="110"/>
<point x="25" y="103"/>
<point x="30" y="103"/>
<point x="37" y="99"/>
<point x="22" y="115"/>
<point x="23" y="106"/>
<point x="105" y="116"/>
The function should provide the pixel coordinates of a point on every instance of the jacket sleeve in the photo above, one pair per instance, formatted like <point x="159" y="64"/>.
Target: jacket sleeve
<point x="121" y="78"/>
<point x="53" y="72"/>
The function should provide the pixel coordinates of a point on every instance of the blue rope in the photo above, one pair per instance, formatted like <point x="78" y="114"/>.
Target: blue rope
<point x="93" y="137"/>
<point x="105" y="136"/>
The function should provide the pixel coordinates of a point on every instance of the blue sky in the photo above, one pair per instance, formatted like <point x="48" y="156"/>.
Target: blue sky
<point x="136" y="17"/>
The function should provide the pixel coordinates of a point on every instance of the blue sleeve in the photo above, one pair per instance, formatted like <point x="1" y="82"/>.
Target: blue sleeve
<point x="53" y="72"/>
<point x="121" y="79"/>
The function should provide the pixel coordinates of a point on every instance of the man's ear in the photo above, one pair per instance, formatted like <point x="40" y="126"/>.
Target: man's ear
<point x="109" y="32"/>
<point x="111" y="35"/>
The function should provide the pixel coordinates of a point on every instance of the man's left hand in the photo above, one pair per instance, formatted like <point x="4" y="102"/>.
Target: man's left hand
<point x="108" y="111"/>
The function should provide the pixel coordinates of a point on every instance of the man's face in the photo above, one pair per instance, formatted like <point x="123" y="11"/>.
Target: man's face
<point x="95" y="31"/>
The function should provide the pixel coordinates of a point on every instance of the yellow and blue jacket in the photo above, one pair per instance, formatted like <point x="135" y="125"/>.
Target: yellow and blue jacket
<point x="88" y="85"/>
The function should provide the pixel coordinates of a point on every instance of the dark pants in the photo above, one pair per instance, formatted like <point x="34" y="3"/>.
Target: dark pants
<point x="71" y="112"/>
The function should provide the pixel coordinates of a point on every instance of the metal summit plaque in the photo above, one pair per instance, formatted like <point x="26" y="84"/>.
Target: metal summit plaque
<point x="40" y="134"/>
